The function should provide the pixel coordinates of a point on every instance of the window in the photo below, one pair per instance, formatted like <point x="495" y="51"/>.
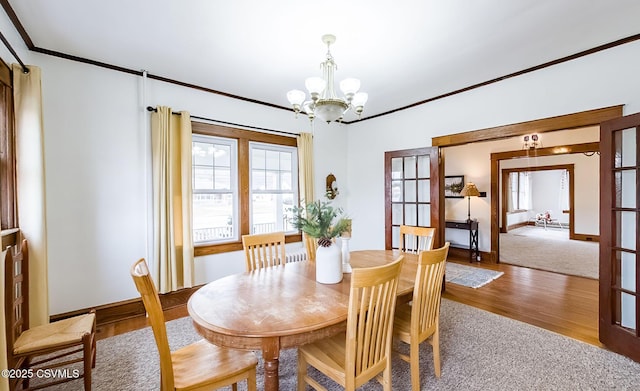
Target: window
<point x="274" y="184"/>
<point x="244" y="182"/>
<point x="519" y="187"/>
<point x="215" y="189"/>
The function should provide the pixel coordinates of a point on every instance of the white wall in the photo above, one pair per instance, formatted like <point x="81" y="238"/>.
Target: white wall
<point x="600" y="80"/>
<point x="547" y="195"/>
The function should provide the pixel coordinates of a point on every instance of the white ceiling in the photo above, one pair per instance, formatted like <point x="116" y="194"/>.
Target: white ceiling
<point x="403" y="51"/>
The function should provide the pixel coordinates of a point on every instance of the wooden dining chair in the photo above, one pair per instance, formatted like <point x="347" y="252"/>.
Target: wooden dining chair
<point x="419" y="321"/>
<point x="199" y="366"/>
<point x="48" y="346"/>
<point x="415" y="239"/>
<point x="311" y="244"/>
<point x="364" y="351"/>
<point x="263" y="250"/>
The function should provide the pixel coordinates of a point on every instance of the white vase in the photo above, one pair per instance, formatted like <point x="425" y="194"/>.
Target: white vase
<point x="328" y="264"/>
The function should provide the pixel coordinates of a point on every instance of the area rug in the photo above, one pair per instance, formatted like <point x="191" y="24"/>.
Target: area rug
<point x="479" y="351"/>
<point x="470" y="276"/>
<point x="549" y="250"/>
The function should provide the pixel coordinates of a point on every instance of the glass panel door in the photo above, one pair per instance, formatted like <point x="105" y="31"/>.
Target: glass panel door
<point x="620" y="221"/>
<point x="411" y="180"/>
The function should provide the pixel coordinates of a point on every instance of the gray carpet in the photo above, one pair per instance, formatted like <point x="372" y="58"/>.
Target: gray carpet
<point x="479" y="350"/>
<point x="550" y="250"/>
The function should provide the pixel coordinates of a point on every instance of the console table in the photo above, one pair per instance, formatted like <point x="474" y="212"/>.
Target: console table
<point x="472" y="227"/>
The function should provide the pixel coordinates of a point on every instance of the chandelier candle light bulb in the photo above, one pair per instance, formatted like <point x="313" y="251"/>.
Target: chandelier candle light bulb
<point x="324" y="103"/>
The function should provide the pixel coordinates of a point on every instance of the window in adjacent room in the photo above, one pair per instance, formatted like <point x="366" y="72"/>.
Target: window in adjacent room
<point x="520" y="190"/>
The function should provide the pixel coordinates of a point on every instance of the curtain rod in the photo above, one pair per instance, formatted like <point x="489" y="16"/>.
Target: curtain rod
<point x="13" y="52"/>
<point x="149" y="108"/>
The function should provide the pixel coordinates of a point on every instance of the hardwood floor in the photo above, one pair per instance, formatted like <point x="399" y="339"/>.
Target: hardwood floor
<point x="563" y="304"/>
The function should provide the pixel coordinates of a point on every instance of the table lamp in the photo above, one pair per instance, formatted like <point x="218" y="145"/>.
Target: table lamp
<point x="469" y="190"/>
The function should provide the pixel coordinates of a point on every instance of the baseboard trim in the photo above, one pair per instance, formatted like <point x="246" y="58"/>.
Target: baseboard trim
<point x="463" y="254"/>
<point x="127" y="309"/>
<point x="587" y="237"/>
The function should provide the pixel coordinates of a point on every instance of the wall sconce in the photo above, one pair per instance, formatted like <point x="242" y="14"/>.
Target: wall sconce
<point x="332" y="187"/>
<point x="531" y="142"/>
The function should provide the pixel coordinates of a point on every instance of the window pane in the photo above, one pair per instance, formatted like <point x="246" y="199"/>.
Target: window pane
<point x="258" y="180"/>
<point x="223" y="179"/>
<point x="424" y="191"/>
<point x="396" y="214"/>
<point x="285" y="161"/>
<point x="625" y="182"/>
<point x="396" y="191"/>
<point x="213" y="217"/>
<point x="396" y="168"/>
<point x="222" y="155"/>
<point x="271" y="178"/>
<point x="410" y="191"/>
<point x="273" y="160"/>
<point x="286" y="181"/>
<point x="395" y="237"/>
<point x="410" y="216"/>
<point x="202" y="178"/>
<point x="424" y="166"/>
<point x="626" y="237"/>
<point x="410" y="167"/>
<point x="258" y="158"/>
<point x="200" y="154"/>
<point x="424" y="215"/>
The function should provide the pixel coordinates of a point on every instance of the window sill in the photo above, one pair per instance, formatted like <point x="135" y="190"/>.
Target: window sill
<point x="208" y="249"/>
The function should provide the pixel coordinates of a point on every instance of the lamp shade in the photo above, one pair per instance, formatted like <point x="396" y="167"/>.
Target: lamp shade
<point x="470" y="190"/>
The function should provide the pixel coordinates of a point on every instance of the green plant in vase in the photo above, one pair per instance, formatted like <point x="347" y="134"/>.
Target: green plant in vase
<point x="320" y="220"/>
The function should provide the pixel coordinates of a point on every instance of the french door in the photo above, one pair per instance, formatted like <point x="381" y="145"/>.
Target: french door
<point x="619" y="235"/>
<point x="412" y="192"/>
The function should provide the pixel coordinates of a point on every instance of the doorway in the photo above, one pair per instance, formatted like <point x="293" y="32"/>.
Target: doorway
<point x="537" y="204"/>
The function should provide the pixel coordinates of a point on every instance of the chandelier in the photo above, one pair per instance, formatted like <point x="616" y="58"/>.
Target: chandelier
<point x="324" y="103"/>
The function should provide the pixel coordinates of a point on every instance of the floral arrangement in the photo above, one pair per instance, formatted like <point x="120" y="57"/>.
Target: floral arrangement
<point x="320" y="220"/>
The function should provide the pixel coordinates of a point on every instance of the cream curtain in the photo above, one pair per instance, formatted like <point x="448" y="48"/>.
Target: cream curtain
<point x="30" y="184"/>
<point x="172" y="200"/>
<point x="27" y="97"/>
<point x="305" y="167"/>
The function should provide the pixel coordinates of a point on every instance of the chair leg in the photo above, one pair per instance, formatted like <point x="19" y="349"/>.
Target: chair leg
<point x="251" y="380"/>
<point x="435" y="343"/>
<point x="387" y="376"/>
<point x="414" y="363"/>
<point x="87" y="357"/>
<point x="302" y="372"/>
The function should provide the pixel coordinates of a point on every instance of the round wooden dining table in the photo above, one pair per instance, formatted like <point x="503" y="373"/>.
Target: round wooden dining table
<point x="282" y="307"/>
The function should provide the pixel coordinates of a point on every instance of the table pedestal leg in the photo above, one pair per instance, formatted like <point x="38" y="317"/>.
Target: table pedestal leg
<point x="270" y="354"/>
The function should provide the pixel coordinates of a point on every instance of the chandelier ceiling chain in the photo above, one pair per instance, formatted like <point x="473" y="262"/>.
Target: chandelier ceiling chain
<point x="324" y="102"/>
